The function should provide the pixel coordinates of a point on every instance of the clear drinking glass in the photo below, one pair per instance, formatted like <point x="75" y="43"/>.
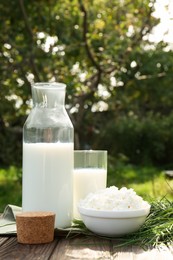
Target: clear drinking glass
<point x="89" y="175"/>
<point x="48" y="150"/>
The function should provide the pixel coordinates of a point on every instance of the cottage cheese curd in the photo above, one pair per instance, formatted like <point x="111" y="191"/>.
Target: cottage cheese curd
<point x="113" y="198"/>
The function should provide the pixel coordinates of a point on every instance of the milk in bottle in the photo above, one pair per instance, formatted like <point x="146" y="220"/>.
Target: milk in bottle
<point x="48" y="155"/>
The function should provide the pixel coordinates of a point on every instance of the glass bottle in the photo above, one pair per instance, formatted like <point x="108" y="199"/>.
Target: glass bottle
<point x="48" y="154"/>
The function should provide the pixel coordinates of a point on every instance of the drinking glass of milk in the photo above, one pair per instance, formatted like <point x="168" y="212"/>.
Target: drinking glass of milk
<point x="89" y="175"/>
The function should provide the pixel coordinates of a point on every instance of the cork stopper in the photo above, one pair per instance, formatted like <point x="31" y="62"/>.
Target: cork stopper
<point x="35" y="227"/>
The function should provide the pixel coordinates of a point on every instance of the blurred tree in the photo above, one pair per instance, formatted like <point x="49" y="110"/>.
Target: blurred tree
<point x="99" y="48"/>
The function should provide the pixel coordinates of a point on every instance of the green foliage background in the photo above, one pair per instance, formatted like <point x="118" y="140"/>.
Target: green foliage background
<point x="119" y="84"/>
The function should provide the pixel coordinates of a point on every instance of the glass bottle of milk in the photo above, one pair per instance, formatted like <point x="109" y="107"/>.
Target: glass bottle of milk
<point x="48" y="154"/>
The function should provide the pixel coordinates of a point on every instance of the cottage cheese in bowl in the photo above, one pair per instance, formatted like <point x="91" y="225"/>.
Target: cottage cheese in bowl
<point x="113" y="212"/>
<point x="112" y="199"/>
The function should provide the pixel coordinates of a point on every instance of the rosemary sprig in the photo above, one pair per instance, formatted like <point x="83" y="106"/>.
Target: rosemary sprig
<point x="157" y="229"/>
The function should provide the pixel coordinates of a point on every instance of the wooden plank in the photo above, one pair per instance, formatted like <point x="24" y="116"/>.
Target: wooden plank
<point x="121" y="253"/>
<point x="137" y="253"/>
<point x="79" y="248"/>
<point x="161" y="253"/>
<point x="164" y="252"/>
<point x="3" y="240"/>
<point x="11" y="249"/>
<point x="171" y="248"/>
<point x="140" y="254"/>
<point x="82" y="248"/>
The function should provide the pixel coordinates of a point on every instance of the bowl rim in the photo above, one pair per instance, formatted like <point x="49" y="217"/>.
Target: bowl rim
<point x="115" y="213"/>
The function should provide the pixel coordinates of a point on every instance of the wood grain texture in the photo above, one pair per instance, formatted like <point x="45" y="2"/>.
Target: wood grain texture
<point x="137" y="253"/>
<point x="3" y="240"/>
<point x="12" y="250"/>
<point x="82" y="248"/>
<point x="123" y="253"/>
<point x="77" y="248"/>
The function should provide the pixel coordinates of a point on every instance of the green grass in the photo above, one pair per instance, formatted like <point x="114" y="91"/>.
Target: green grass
<point x="148" y="182"/>
<point x="10" y="187"/>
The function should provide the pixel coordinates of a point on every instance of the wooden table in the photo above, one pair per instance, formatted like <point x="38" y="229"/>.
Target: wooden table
<point x="78" y="248"/>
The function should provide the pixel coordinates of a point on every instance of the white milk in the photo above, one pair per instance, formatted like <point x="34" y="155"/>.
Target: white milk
<point x="48" y="180"/>
<point x="85" y="181"/>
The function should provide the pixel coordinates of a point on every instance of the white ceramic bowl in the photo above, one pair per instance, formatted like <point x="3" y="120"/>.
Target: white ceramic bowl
<point x="113" y="223"/>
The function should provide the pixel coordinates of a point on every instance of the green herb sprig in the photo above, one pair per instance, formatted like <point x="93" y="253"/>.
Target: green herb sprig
<point x="157" y="229"/>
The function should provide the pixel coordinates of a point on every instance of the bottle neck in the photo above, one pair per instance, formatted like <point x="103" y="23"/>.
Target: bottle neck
<point x="48" y="95"/>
